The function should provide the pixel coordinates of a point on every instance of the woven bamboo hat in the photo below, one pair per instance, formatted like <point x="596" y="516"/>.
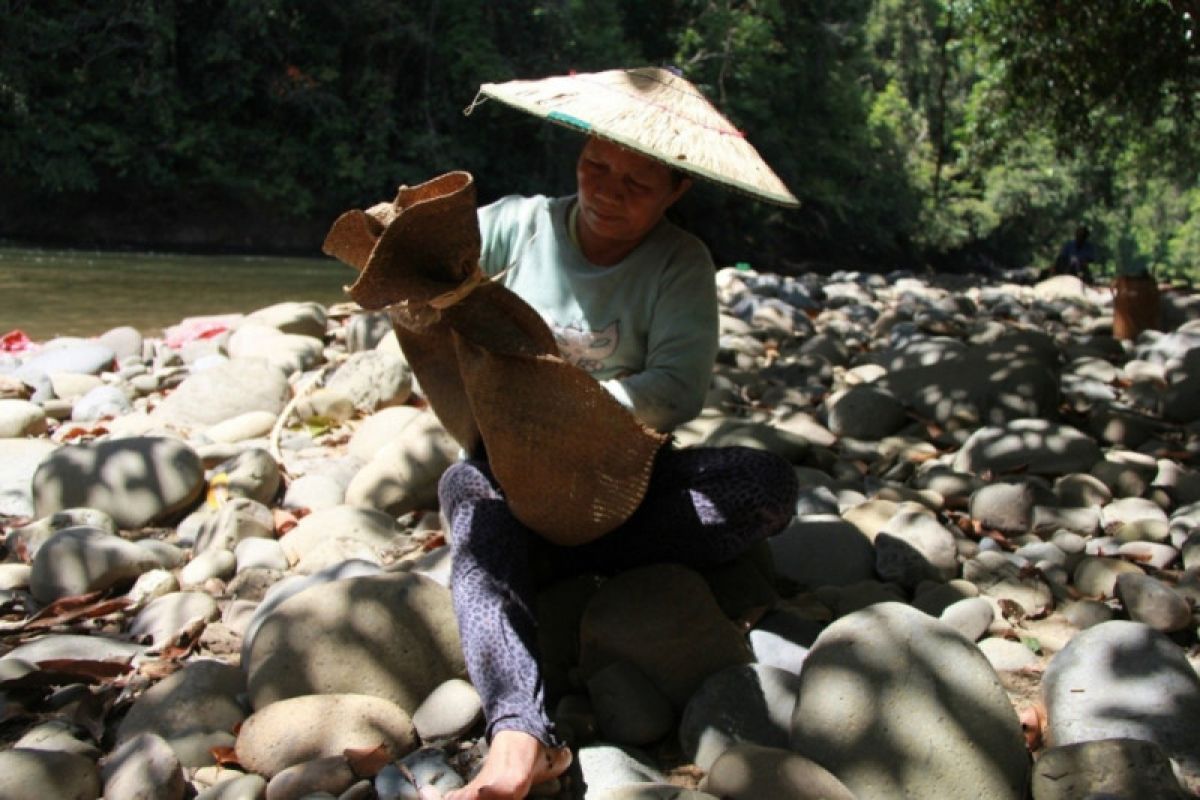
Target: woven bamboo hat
<point x="654" y="112"/>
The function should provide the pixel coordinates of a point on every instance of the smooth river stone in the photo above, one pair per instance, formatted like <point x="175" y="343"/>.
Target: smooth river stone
<point x="1123" y="679"/>
<point x="193" y="709"/>
<point x="225" y="391"/>
<point x="752" y="703"/>
<point x="393" y="636"/>
<point x="79" y="560"/>
<point x="301" y="729"/>
<point x="750" y="771"/>
<point x="166" y="617"/>
<point x="143" y="768"/>
<point x="1038" y="446"/>
<point x="897" y="704"/>
<point x="19" y="460"/>
<point x="72" y="356"/>
<point x="19" y="418"/>
<point x="291" y="316"/>
<point x="665" y="620"/>
<point x="372" y="379"/>
<point x="137" y="481"/>
<point x="46" y="774"/>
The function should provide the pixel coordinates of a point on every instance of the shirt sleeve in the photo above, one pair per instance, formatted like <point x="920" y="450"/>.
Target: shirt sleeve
<point x="502" y="225"/>
<point x="681" y="347"/>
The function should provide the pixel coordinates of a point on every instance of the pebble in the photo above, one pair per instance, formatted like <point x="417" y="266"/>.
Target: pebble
<point x="372" y="379"/>
<point x="165" y="618"/>
<point x="822" y="550"/>
<point x="102" y="402"/>
<point x="665" y="620"/>
<point x="240" y="787"/>
<point x="752" y="703"/>
<point x="302" y="318"/>
<point x="19" y="418"/>
<point x="305" y="560"/>
<point x="144" y="766"/>
<point x="450" y="710"/>
<point x="1106" y="768"/>
<point x="83" y="559"/>
<point x="297" y="730"/>
<point x="1154" y="603"/>
<point x="225" y="391"/>
<point x="628" y="707"/>
<point x="260" y="554"/>
<point x="288" y="352"/>
<point x="331" y="774"/>
<point x="193" y="710"/>
<point x="971" y="616"/>
<point x="40" y="774"/>
<point x="753" y="771"/>
<point x="19" y="460"/>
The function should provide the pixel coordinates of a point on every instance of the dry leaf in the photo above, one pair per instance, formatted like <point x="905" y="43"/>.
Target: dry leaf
<point x="1012" y="610"/>
<point x="1033" y="725"/>
<point x="84" y="670"/>
<point x="366" y="762"/>
<point x="284" y="520"/>
<point x="84" y="606"/>
<point x="225" y="756"/>
<point x="156" y="670"/>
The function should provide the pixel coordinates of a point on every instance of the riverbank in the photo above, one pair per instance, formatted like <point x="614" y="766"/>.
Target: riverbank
<point x="222" y="555"/>
<point x="47" y="292"/>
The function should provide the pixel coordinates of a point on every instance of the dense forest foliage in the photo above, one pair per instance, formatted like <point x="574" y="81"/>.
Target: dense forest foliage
<point x="951" y="134"/>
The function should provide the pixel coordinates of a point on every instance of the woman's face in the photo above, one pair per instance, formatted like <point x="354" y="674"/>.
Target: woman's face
<point x="622" y="194"/>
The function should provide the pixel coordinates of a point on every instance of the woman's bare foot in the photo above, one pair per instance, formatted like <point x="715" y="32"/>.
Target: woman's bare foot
<point x="515" y="761"/>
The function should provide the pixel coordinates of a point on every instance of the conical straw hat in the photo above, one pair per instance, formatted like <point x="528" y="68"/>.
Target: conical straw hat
<point x="654" y="112"/>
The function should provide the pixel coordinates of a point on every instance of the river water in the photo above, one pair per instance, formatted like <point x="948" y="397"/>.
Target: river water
<point x="47" y="293"/>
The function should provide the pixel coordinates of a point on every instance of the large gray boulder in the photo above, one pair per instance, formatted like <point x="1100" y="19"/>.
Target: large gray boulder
<point x="137" y="481"/>
<point x="1123" y="679"/>
<point x="393" y="636"/>
<point x="1036" y="446"/>
<point x="897" y="704"/>
<point x="665" y="620"/>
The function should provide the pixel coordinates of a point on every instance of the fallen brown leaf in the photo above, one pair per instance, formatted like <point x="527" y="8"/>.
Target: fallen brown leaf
<point x="225" y="756"/>
<point x="84" y="670"/>
<point x="67" y="609"/>
<point x="156" y="670"/>
<point x="1033" y="725"/>
<point x="284" y="520"/>
<point x="366" y="762"/>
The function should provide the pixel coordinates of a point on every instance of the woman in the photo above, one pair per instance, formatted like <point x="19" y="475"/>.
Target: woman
<point x="631" y="299"/>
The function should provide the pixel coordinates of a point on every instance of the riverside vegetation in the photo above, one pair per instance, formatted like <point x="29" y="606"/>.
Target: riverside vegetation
<point x="937" y="132"/>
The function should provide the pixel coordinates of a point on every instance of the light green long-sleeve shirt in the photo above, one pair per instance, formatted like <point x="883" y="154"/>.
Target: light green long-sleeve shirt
<point x="646" y="327"/>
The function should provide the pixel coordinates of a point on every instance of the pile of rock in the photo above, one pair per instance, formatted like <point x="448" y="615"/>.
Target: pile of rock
<point x="225" y="575"/>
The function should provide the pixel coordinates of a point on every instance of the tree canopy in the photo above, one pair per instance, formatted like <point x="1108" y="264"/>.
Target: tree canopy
<point x="943" y="133"/>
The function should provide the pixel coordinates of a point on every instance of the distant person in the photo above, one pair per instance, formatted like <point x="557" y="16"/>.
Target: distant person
<point x="1076" y="256"/>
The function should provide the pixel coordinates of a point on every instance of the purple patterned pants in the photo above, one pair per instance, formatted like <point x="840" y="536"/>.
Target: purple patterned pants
<point x="704" y="506"/>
